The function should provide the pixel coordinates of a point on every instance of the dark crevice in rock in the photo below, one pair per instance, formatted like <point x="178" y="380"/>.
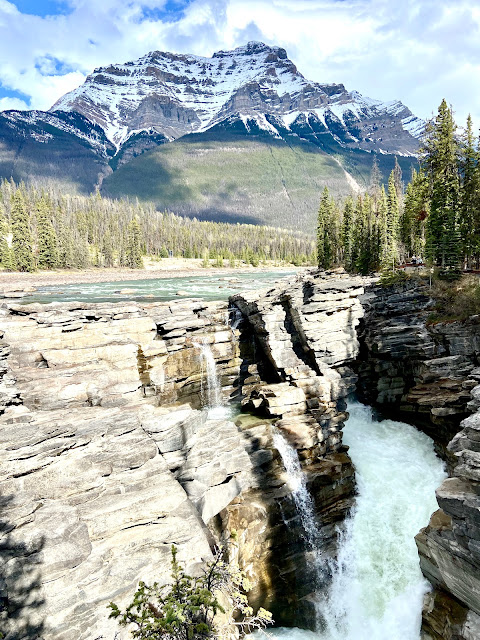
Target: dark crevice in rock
<point x="293" y="326"/>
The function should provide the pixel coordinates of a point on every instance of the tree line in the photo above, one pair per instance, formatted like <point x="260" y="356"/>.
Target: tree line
<point x="47" y="229"/>
<point x="436" y="218"/>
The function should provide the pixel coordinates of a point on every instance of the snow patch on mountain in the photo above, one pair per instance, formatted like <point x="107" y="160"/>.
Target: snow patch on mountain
<point x="71" y="123"/>
<point x="177" y="94"/>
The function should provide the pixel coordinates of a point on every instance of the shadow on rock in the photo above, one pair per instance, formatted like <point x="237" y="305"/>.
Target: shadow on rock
<point x="21" y="597"/>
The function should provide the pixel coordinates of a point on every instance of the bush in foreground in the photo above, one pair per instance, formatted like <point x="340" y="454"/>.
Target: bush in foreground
<point x="187" y="609"/>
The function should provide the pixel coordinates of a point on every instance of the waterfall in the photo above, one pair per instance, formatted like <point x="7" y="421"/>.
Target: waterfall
<point x="234" y="319"/>
<point x="212" y="395"/>
<point x="377" y="587"/>
<point x="304" y="505"/>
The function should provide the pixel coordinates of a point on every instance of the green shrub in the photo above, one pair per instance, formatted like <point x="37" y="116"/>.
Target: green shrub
<point x="186" y="609"/>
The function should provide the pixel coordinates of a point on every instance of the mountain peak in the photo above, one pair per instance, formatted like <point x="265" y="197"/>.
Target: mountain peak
<point x="176" y="94"/>
<point x="254" y="47"/>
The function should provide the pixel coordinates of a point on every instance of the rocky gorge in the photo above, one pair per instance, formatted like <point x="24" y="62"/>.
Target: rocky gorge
<point x="110" y="455"/>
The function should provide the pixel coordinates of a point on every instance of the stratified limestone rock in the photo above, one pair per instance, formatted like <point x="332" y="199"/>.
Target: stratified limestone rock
<point x="92" y="468"/>
<point x="419" y="370"/>
<point x="271" y="546"/>
<point x="306" y="332"/>
<point x="449" y="547"/>
<point x="302" y="337"/>
<point x="89" y="508"/>
<point x="112" y="354"/>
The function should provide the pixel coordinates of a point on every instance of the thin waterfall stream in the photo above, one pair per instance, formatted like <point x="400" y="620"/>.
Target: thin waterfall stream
<point x="377" y="588"/>
<point x="303" y="502"/>
<point x="211" y="392"/>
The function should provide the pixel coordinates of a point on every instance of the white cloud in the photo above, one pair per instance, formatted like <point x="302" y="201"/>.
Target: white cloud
<point x="12" y="103"/>
<point x="416" y="50"/>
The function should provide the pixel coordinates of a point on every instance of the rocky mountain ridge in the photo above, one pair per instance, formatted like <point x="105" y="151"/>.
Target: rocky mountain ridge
<point x="194" y="134"/>
<point x="255" y="85"/>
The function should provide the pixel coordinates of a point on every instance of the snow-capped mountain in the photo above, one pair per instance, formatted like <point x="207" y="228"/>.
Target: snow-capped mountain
<point x="241" y="136"/>
<point x="174" y="94"/>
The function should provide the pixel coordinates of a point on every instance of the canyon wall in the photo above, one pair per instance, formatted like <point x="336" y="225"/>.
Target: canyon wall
<point x="427" y="374"/>
<point x="297" y="343"/>
<point x="108" y="457"/>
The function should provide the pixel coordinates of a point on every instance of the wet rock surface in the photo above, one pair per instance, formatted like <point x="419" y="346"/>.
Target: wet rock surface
<point x="427" y="374"/>
<point x="107" y="458"/>
<point x="297" y="344"/>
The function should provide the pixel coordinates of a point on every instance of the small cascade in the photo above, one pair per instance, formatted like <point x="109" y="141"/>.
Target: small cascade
<point x="304" y="506"/>
<point x="234" y="319"/>
<point x="212" y="394"/>
<point x="377" y="587"/>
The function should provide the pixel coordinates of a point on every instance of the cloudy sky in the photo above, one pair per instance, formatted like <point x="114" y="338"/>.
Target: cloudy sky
<point x="418" y="51"/>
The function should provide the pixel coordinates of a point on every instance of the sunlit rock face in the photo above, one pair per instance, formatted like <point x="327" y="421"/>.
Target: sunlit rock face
<point x="108" y="459"/>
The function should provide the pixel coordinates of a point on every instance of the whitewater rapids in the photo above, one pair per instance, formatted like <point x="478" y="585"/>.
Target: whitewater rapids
<point x="377" y="588"/>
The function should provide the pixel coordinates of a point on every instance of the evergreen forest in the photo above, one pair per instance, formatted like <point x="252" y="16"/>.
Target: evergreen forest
<point x="436" y="219"/>
<point x="47" y="229"/>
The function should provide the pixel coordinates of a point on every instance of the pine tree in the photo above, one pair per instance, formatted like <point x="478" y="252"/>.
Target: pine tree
<point x="414" y="214"/>
<point x="469" y="214"/>
<point x="398" y="178"/>
<point x="382" y="223"/>
<point x="107" y="250"/>
<point x="134" y="255"/>
<point x="21" y="235"/>
<point x="46" y="238"/>
<point x="390" y="254"/>
<point x="325" y="232"/>
<point x="348" y="232"/>
<point x="6" y="256"/>
<point x="440" y="151"/>
<point x="375" y="178"/>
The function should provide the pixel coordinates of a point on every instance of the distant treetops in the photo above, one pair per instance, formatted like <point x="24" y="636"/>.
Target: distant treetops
<point x="47" y="229"/>
<point x="437" y="217"/>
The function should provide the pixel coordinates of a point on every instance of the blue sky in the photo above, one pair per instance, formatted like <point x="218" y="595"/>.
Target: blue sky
<point x="418" y="51"/>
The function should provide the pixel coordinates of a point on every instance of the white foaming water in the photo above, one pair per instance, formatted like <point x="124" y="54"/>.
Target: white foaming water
<point x="212" y="396"/>
<point x="377" y="587"/>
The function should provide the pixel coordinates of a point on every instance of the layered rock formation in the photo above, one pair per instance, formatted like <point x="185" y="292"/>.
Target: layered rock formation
<point x="297" y="344"/>
<point x="421" y="371"/>
<point x="105" y="464"/>
<point x="107" y="457"/>
<point x="98" y="480"/>
<point x="449" y="547"/>
<point x="427" y="374"/>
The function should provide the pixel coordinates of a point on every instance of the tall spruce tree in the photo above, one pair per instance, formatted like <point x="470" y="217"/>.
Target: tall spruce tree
<point x="415" y="212"/>
<point x="390" y="252"/>
<point x="469" y="214"/>
<point x="440" y="161"/>
<point x="47" y="257"/>
<point x="348" y="232"/>
<point x="133" y="253"/>
<point x="21" y="234"/>
<point x="325" y="248"/>
<point x="6" y="255"/>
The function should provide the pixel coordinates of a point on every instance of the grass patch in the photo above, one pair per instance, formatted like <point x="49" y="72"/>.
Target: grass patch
<point x="455" y="301"/>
